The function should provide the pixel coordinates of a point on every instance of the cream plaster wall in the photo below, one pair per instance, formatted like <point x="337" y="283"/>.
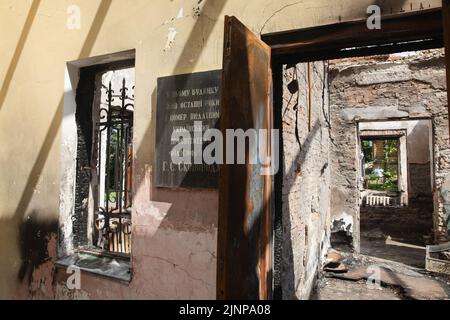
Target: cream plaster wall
<point x="34" y="48"/>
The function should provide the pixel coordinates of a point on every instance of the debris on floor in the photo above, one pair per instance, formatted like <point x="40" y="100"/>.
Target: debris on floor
<point x="438" y="258"/>
<point x="396" y="245"/>
<point x="335" y="262"/>
<point x="335" y="289"/>
<point x="372" y="278"/>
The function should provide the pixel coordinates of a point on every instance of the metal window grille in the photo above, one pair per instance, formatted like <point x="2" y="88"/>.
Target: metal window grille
<point x="114" y="149"/>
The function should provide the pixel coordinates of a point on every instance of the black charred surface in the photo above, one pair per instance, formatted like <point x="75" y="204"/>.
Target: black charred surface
<point x="341" y="236"/>
<point x="341" y="240"/>
<point x="33" y="240"/>
<point x="278" y="183"/>
<point x="83" y="116"/>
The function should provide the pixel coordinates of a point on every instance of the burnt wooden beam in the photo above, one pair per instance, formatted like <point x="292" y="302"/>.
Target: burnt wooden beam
<point x="415" y="30"/>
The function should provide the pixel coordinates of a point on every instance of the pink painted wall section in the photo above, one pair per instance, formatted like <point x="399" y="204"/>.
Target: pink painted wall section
<point x="173" y="249"/>
<point x="175" y="243"/>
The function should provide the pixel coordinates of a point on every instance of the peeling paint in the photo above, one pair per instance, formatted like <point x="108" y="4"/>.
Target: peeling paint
<point x="198" y="8"/>
<point x="170" y="39"/>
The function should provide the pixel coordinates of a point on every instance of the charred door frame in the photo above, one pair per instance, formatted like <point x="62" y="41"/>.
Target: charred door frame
<point x="417" y="30"/>
<point x="245" y="204"/>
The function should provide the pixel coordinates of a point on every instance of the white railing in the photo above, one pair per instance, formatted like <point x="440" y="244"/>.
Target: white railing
<point x="381" y="199"/>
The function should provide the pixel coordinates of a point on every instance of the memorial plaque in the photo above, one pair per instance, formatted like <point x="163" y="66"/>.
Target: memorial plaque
<point x="181" y="101"/>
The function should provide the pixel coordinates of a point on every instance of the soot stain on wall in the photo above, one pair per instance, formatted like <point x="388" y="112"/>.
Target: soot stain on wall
<point x="34" y="241"/>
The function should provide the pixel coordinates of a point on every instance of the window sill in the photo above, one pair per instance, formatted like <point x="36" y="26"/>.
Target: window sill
<point x="116" y="268"/>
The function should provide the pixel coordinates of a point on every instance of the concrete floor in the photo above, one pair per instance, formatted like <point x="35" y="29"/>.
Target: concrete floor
<point x="397" y="251"/>
<point x="338" y="289"/>
<point x="395" y="240"/>
<point x="397" y="281"/>
<point x="402" y="252"/>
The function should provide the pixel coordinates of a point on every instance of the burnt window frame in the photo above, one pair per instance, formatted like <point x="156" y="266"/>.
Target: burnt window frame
<point x="83" y="224"/>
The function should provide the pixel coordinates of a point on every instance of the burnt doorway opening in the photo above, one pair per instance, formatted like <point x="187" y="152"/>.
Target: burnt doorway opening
<point x="396" y="190"/>
<point x="357" y="160"/>
<point x="291" y="266"/>
<point x="312" y="52"/>
<point x="377" y="126"/>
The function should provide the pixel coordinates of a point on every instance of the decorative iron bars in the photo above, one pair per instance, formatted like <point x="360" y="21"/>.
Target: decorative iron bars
<point x="114" y="136"/>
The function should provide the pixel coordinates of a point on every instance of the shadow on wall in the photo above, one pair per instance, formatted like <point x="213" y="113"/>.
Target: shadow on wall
<point x="186" y="63"/>
<point x="55" y="124"/>
<point x="199" y="34"/>
<point x="198" y="37"/>
<point x="7" y="227"/>
<point x="420" y="153"/>
<point x="35" y="237"/>
<point x="173" y="230"/>
<point x="290" y="286"/>
<point x="295" y="266"/>
<point x="18" y="51"/>
<point x="34" y="254"/>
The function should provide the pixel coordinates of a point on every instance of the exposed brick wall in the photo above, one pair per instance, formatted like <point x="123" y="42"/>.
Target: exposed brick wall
<point x="400" y="86"/>
<point x="420" y="175"/>
<point x="306" y="180"/>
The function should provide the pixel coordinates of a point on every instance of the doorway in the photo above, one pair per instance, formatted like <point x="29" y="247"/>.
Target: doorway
<point x="396" y="193"/>
<point x="266" y="275"/>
